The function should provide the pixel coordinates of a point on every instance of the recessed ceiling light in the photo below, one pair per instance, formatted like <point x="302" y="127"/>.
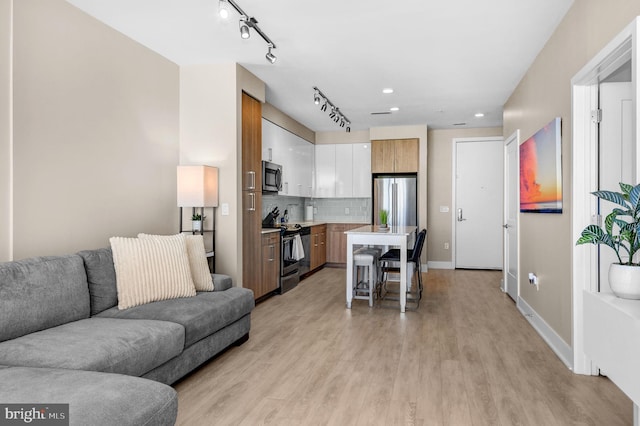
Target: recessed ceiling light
<point x="387" y="90"/>
<point x="479" y="115"/>
<point x="394" y="109"/>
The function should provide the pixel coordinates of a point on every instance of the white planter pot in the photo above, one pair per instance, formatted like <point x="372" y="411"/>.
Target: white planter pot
<point x="196" y="225"/>
<point x="625" y="281"/>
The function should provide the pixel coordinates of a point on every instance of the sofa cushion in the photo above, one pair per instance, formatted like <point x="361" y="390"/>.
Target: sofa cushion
<point x="94" y="398"/>
<point x="98" y="344"/>
<point x="41" y="292"/>
<point x="198" y="264"/>
<point x="150" y="270"/>
<point x="221" y="282"/>
<point x="201" y="316"/>
<point x="101" y="277"/>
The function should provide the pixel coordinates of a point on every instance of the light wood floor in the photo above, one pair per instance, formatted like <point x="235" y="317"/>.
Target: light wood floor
<point x="466" y="357"/>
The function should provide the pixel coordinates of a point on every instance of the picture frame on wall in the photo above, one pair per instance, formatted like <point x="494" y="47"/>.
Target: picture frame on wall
<point x="541" y="170"/>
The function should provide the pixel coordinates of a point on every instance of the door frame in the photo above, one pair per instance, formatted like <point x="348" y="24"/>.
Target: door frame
<point x="454" y="183"/>
<point x="584" y="88"/>
<point x="514" y="138"/>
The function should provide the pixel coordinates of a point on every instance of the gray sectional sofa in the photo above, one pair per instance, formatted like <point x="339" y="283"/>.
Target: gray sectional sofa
<point x="64" y="340"/>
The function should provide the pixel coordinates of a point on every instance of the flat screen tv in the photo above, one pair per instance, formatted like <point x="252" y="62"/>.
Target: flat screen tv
<point x="541" y="170"/>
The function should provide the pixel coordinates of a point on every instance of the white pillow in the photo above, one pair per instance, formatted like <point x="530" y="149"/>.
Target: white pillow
<point x="151" y="270"/>
<point x="198" y="264"/>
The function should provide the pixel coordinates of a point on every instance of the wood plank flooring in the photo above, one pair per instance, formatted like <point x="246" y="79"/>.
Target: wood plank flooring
<point x="465" y="357"/>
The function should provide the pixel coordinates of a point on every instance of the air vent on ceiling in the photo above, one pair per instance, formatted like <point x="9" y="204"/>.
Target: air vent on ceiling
<point x="459" y="124"/>
<point x="381" y="113"/>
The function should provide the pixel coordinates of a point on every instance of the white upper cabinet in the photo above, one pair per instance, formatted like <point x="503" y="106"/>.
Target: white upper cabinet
<point x="294" y="154"/>
<point x="325" y="171"/>
<point x="343" y="171"/>
<point x="361" y="170"/>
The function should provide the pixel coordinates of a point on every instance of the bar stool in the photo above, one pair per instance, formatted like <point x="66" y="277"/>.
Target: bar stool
<point x="365" y="273"/>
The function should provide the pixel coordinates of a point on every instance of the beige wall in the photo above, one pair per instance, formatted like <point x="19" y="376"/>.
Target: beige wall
<point x="440" y="189"/>
<point x="342" y="137"/>
<point x="544" y="93"/>
<point x="211" y="134"/>
<point x="95" y="133"/>
<point x="6" y="20"/>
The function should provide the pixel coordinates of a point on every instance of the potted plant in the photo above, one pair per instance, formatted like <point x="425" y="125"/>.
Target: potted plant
<point x="196" y="222"/>
<point x="383" y="218"/>
<point x="621" y="233"/>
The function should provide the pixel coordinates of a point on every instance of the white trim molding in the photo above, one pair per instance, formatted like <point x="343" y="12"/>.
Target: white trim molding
<point x="555" y="342"/>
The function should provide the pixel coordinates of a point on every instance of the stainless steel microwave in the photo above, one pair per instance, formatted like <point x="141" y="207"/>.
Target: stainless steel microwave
<point x="271" y="177"/>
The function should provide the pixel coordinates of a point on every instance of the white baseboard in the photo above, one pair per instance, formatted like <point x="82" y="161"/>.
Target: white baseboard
<point x="440" y="265"/>
<point x="555" y="342"/>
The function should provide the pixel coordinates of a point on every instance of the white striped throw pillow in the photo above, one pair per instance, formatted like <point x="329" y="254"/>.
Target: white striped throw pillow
<point x="151" y="270"/>
<point x="198" y="264"/>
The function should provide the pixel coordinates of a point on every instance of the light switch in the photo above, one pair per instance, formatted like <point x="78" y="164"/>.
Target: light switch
<point x="346" y="210"/>
<point x="444" y="209"/>
<point x="225" y="209"/>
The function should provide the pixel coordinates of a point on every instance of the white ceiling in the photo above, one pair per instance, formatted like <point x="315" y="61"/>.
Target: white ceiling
<point x="446" y="60"/>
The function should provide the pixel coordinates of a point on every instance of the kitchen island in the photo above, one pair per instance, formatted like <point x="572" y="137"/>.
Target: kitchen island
<point x="397" y="236"/>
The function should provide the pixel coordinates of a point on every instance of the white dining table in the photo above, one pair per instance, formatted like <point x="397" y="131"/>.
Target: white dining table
<point x="397" y="236"/>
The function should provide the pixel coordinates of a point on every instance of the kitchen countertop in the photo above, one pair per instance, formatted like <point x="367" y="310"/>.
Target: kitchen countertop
<point x="270" y="230"/>
<point x="309" y="223"/>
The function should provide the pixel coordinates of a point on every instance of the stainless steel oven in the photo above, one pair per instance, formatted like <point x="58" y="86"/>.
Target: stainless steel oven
<point x="289" y="264"/>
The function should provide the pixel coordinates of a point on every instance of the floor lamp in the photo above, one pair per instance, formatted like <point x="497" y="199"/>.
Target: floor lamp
<point x="198" y="188"/>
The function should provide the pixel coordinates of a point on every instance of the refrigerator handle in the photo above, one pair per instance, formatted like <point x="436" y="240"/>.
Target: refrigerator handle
<point x="394" y="204"/>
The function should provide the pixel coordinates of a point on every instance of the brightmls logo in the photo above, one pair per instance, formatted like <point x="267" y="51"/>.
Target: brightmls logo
<point x="34" y="414"/>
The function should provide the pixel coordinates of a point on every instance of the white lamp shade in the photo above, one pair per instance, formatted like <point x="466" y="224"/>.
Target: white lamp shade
<point x="197" y="186"/>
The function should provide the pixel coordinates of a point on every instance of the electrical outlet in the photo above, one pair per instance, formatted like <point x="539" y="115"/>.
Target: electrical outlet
<point x="446" y="246"/>
<point x="444" y="209"/>
<point x="346" y="210"/>
<point x="533" y="280"/>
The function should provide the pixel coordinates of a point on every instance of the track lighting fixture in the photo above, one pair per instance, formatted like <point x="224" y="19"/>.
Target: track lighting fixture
<point x="244" y="28"/>
<point x="223" y="9"/>
<point x="270" y="56"/>
<point x="246" y="23"/>
<point x="335" y="113"/>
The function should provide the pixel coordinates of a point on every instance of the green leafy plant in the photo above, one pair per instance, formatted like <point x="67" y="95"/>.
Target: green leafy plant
<point x="622" y="225"/>
<point x="383" y="217"/>
<point x="197" y="216"/>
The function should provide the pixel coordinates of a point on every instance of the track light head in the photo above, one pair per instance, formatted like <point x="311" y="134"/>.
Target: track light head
<point x="348" y="129"/>
<point x="223" y="9"/>
<point x="270" y="56"/>
<point x="316" y="98"/>
<point x="324" y="106"/>
<point x="244" y="28"/>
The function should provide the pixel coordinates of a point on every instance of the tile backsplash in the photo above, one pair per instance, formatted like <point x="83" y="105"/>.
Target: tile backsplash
<point x="357" y="210"/>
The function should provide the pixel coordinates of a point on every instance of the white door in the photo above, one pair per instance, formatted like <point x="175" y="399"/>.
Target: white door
<point x="511" y="209"/>
<point x="478" y="203"/>
<point x="615" y="156"/>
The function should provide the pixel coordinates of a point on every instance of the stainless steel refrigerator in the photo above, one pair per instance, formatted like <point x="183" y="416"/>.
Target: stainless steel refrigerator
<point x="398" y="195"/>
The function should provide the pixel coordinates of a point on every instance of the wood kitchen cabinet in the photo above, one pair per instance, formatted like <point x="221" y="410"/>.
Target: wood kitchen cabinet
<point x="337" y="241"/>
<point x="251" y="194"/>
<point x="318" y="246"/>
<point x="270" y="263"/>
<point x="395" y="156"/>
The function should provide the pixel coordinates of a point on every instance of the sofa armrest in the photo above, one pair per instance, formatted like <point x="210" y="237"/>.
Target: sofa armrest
<point x="221" y="282"/>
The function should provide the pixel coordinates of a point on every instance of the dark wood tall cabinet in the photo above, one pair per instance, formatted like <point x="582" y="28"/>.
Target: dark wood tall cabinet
<point x="251" y="194"/>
